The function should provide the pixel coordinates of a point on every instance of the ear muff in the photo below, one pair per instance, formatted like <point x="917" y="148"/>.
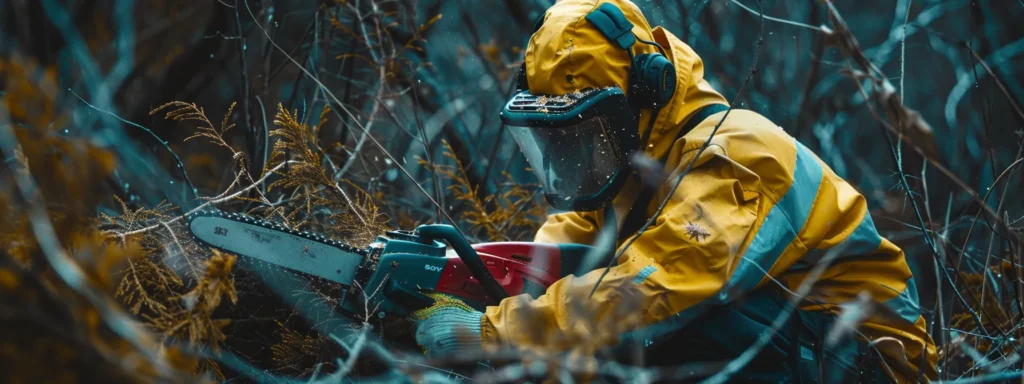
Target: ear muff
<point x="653" y="77"/>
<point x="654" y="80"/>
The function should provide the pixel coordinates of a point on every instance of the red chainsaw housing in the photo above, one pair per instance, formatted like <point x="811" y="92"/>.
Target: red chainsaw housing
<point x="513" y="265"/>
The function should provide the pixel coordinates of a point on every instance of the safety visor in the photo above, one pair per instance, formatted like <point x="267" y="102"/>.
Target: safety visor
<point x="576" y="144"/>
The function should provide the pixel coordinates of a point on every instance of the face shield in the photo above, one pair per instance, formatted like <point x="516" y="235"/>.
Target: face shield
<point x="577" y="145"/>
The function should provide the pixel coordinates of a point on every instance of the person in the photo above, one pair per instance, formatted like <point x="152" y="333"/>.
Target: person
<point x="755" y="219"/>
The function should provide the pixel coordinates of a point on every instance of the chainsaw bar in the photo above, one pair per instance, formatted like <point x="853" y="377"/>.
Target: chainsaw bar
<point x="300" y="251"/>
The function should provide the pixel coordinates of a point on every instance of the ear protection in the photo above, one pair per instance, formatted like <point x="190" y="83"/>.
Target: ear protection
<point x="652" y="76"/>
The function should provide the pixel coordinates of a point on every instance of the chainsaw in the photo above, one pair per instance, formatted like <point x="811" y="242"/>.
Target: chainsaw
<point x="395" y="272"/>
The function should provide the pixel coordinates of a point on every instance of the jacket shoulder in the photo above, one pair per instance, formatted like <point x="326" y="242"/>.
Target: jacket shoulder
<point x="753" y="142"/>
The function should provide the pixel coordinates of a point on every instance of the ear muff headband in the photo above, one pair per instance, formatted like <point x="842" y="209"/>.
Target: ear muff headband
<point x="652" y="81"/>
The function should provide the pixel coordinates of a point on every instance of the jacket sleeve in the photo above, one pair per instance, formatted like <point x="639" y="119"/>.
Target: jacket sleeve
<point x="684" y="258"/>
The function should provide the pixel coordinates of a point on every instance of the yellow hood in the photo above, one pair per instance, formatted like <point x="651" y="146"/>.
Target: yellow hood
<point x="568" y="54"/>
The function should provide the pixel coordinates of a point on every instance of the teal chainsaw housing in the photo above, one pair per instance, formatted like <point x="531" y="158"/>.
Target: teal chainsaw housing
<point x="400" y="266"/>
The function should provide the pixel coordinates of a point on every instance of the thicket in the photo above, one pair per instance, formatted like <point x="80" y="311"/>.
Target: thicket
<point x="349" y="118"/>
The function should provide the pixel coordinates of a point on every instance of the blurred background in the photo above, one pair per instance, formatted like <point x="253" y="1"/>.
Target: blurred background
<point x="302" y="107"/>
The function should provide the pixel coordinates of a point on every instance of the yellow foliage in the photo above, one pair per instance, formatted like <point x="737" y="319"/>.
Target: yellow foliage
<point x="296" y="347"/>
<point x="190" y="318"/>
<point x="172" y="293"/>
<point x="8" y="279"/>
<point x="984" y="297"/>
<point x="182" y="111"/>
<point x="515" y="209"/>
<point x="391" y="65"/>
<point x="216" y="283"/>
<point x="100" y="258"/>
<point x="354" y="216"/>
<point x="345" y="224"/>
<point x="29" y="92"/>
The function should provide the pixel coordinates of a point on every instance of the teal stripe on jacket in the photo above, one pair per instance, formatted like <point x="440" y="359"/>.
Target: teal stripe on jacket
<point x="780" y="227"/>
<point x="862" y="241"/>
<point x="906" y="304"/>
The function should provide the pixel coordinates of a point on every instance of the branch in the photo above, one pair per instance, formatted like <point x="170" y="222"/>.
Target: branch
<point x="232" y="196"/>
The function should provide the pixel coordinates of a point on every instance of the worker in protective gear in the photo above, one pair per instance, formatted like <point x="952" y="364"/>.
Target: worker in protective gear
<point x="755" y="215"/>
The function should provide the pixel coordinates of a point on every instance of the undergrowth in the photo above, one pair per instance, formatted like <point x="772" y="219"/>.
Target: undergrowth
<point x="187" y="293"/>
<point x="102" y="281"/>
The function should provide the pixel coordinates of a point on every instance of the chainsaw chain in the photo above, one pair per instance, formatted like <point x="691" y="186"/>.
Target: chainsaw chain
<point x="246" y="219"/>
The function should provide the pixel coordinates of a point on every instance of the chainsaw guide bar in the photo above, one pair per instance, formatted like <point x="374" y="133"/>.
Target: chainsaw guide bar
<point x="276" y="244"/>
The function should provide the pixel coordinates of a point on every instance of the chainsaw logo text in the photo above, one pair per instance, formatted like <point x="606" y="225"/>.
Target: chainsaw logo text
<point x="262" y="237"/>
<point x="432" y="268"/>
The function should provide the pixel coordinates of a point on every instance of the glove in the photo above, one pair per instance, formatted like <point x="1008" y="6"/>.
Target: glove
<point x="448" y="327"/>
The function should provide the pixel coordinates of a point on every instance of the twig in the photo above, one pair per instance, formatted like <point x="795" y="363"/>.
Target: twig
<point x="373" y="112"/>
<point x="195" y="272"/>
<point x="1002" y="377"/>
<point x="266" y="136"/>
<point x="978" y="214"/>
<point x="345" y="366"/>
<point x="903" y="50"/>
<point x="426" y="148"/>
<point x="122" y="235"/>
<point x="498" y="135"/>
<point x="245" y="85"/>
<point x="964" y="82"/>
<point x="1002" y="87"/>
<point x="992" y="234"/>
<point x="181" y="166"/>
<point x="806" y="114"/>
<point x="775" y="19"/>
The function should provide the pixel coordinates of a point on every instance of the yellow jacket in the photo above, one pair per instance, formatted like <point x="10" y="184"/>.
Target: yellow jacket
<point x="758" y="208"/>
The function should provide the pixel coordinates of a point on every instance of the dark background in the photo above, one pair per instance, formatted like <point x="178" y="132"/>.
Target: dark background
<point x="410" y="69"/>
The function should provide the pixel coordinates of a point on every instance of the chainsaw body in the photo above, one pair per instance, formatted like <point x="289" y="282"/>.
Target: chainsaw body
<point x="402" y="266"/>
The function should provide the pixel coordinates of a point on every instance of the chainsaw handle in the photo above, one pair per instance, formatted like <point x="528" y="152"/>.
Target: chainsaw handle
<point x="468" y="255"/>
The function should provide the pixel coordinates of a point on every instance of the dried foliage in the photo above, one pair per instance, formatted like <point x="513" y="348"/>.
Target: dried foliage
<point x="512" y="213"/>
<point x="319" y="192"/>
<point x="103" y="281"/>
<point x="994" y="298"/>
<point x="301" y="351"/>
<point x="182" y="111"/>
<point x="192" y="321"/>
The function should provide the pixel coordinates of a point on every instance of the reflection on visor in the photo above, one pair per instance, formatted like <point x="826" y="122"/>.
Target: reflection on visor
<point x="571" y="162"/>
<point x="549" y="104"/>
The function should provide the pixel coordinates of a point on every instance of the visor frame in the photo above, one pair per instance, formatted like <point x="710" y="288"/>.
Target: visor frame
<point x="526" y="110"/>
